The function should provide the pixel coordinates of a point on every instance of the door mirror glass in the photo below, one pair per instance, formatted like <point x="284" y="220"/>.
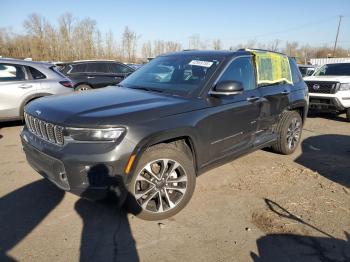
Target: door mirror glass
<point x="228" y="88"/>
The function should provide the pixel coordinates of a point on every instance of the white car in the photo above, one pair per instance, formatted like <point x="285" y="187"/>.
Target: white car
<point x="329" y="89"/>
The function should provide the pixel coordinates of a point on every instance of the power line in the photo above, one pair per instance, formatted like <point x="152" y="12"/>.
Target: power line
<point x="336" y="38"/>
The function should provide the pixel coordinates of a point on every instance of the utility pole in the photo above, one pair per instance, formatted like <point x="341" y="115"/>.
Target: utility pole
<point x="336" y="38"/>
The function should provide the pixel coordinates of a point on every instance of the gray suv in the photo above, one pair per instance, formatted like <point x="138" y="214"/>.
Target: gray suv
<point x="23" y="81"/>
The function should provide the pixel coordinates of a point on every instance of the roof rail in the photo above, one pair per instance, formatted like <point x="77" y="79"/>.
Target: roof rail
<point x="262" y="50"/>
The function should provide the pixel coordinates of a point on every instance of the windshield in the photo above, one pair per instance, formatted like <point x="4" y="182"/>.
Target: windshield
<point x="175" y="74"/>
<point x="334" y="70"/>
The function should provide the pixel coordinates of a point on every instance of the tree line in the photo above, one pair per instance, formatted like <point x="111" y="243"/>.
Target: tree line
<point x="75" y="39"/>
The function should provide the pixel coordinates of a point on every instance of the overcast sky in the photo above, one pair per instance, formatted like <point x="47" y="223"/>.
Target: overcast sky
<point x="313" y="22"/>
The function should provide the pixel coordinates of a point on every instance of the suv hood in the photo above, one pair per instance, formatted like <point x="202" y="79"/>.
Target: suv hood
<point x="109" y="106"/>
<point x="341" y="79"/>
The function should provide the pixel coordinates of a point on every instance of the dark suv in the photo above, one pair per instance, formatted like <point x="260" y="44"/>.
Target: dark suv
<point x="95" y="74"/>
<point x="159" y="129"/>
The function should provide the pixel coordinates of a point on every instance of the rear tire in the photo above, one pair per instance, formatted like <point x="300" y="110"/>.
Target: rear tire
<point x="82" y="87"/>
<point x="289" y="131"/>
<point x="162" y="167"/>
<point x="348" y="114"/>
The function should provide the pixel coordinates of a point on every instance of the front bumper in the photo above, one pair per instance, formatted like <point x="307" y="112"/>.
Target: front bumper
<point x="328" y="102"/>
<point x="89" y="170"/>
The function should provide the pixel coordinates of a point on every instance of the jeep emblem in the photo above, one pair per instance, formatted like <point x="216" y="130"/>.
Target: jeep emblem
<point x="316" y="86"/>
<point x="38" y="112"/>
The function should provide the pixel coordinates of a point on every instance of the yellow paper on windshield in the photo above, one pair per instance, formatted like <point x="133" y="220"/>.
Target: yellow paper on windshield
<point x="271" y="67"/>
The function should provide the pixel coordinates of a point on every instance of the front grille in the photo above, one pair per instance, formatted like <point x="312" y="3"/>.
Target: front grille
<point x="322" y="87"/>
<point x="44" y="130"/>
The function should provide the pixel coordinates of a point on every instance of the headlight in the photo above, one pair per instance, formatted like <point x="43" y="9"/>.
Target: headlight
<point x="344" y="87"/>
<point x="91" y="134"/>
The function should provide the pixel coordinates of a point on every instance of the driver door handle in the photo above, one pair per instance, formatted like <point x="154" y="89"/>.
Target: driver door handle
<point x="89" y="77"/>
<point x="285" y="92"/>
<point x="253" y="99"/>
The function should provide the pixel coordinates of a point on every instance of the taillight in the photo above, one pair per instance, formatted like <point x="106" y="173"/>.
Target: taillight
<point x="66" y="83"/>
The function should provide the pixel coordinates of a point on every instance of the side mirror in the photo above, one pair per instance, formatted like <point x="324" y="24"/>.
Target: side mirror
<point x="225" y="88"/>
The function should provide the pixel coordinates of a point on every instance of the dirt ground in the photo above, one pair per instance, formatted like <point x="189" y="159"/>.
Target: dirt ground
<point x="262" y="207"/>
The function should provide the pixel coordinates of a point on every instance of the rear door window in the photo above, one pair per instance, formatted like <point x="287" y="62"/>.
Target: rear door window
<point x="97" y="68"/>
<point x="10" y="72"/>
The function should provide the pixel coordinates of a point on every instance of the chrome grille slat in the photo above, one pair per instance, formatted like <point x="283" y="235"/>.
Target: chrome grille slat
<point x="58" y="131"/>
<point x="37" y="127"/>
<point x="31" y="119"/>
<point x="44" y="130"/>
<point x="50" y="133"/>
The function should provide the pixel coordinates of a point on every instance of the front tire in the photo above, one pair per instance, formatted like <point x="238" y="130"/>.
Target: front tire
<point x="163" y="182"/>
<point x="289" y="131"/>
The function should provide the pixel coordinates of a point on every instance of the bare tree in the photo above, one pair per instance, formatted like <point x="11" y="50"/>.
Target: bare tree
<point x="129" y="42"/>
<point x="66" y="29"/>
<point x="274" y="45"/>
<point x="217" y="44"/>
<point x="147" y="49"/>
<point x="34" y="26"/>
<point x="73" y="39"/>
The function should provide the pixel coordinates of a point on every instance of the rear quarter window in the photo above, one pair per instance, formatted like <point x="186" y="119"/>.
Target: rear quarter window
<point x="119" y="69"/>
<point x="76" y="68"/>
<point x="36" y="74"/>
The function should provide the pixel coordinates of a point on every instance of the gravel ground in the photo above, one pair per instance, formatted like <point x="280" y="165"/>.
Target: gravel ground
<point x="261" y="207"/>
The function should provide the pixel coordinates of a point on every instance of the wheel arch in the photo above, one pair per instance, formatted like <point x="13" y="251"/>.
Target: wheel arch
<point x="179" y="138"/>
<point x="301" y="108"/>
<point x="30" y="99"/>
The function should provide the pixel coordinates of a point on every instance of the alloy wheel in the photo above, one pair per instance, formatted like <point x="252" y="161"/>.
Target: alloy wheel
<point x="160" y="185"/>
<point x="293" y="133"/>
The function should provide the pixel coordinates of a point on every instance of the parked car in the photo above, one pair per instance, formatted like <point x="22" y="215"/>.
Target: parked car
<point x="135" y="66"/>
<point x="23" y="81"/>
<point x="95" y="73"/>
<point x="306" y="70"/>
<point x="155" y="135"/>
<point x="329" y="89"/>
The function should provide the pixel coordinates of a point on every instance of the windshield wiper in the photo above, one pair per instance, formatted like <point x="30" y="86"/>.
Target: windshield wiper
<point x="146" y="89"/>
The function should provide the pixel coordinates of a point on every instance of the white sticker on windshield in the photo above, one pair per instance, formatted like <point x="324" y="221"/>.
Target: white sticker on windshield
<point x="201" y="63"/>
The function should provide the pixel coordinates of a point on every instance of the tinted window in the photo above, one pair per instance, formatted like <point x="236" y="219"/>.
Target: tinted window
<point x="11" y="73"/>
<point x="241" y="69"/>
<point x="36" y="74"/>
<point x="303" y="71"/>
<point x="77" y="68"/>
<point x="174" y="74"/>
<point x="119" y="69"/>
<point x="334" y="70"/>
<point x="97" y="68"/>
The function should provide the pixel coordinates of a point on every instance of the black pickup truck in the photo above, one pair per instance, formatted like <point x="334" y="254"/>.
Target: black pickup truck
<point x="174" y="118"/>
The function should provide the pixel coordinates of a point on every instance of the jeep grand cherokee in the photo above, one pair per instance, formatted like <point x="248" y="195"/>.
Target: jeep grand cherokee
<point x="157" y="131"/>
